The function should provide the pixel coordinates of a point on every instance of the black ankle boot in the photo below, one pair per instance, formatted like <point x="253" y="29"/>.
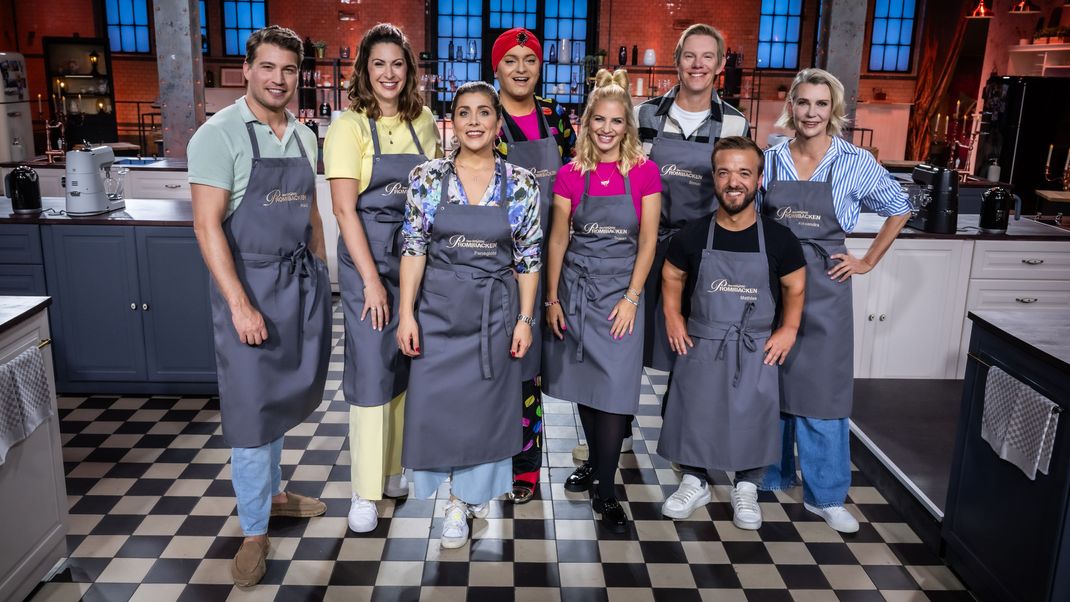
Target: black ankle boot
<point x="613" y="516"/>
<point x="581" y="478"/>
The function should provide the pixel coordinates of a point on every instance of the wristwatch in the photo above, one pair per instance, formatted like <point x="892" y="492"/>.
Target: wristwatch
<point x="530" y="321"/>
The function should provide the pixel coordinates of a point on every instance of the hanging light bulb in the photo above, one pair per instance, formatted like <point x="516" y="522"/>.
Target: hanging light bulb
<point x="980" y="11"/>
<point x="1025" y="7"/>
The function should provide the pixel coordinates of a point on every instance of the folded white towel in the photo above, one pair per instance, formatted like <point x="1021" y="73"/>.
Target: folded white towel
<point x="1018" y="422"/>
<point x="12" y="422"/>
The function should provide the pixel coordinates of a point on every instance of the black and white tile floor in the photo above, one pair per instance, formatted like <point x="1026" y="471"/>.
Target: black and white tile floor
<point x="152" y="517"/>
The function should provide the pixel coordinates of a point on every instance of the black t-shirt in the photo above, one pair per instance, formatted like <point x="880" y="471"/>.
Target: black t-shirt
<point x="781" y="246"/>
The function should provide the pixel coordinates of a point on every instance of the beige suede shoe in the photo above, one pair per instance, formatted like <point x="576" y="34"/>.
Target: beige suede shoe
<point x="298" y="506"/>
<point x="248" y="567"/>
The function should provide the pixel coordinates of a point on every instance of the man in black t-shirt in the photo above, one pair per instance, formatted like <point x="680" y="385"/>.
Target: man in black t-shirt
<point x="737" y="167"/>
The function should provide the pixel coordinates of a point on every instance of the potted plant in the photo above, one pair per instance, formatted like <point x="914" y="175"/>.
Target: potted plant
<point x="1023" y="38"/>
<point x="601" y="56"/>
<point x="782" y="92"/>
<point x="321" y="48"/>
<point x="1044" y="35"/>
<point x="1063" y="34"/>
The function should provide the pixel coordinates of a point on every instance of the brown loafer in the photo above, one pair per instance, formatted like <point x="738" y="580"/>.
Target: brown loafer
<point x="298" y="506"/>
<point x="249" y="564"/>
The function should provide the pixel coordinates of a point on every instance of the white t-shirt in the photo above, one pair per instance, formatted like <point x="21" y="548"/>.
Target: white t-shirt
<point x="689" y="122"/>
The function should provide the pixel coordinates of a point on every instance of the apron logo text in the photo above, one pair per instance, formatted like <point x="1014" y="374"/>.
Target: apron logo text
<point x="597" y="230"/>
<point x="396" y="188"/>
<point x="723" y="286"/>
<point x="278" y="196"/>
<point x="797" y="215"/>
<point x="459" y="240"/>
<point x="671" y="170"/>
<point x="542" y="173"/>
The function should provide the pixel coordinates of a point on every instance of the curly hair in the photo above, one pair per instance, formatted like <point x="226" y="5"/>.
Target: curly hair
<point x="361" y="97"/>
<point x="837" y="119"/>
<point x="609" y="87"/>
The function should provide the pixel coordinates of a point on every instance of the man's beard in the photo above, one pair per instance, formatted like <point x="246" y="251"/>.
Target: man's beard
<point x="748" y="200"/>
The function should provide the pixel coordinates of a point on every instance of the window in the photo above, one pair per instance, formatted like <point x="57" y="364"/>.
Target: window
<point x="892" y="37"/>
<point x="778" y="34"/>
<point x="564" y="19"/>
<point x="240" y="18"/>
<point x="128" y="25"/>
<point x="204" y="29"/>
<point x="460" y="31"/>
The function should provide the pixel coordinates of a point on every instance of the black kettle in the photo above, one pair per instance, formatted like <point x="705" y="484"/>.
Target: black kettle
<point x="24" y="189"/>
<point x="995" y="210"/>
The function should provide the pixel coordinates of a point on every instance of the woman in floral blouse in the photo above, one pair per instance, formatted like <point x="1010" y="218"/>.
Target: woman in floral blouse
<point x="472" y="240"/>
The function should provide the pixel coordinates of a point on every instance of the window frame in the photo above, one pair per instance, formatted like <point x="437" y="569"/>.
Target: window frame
<point x="223" y="27"/>
<point x="102" y="11"/>
<point x="798" y="43"/>
<point x="911" y="72"/>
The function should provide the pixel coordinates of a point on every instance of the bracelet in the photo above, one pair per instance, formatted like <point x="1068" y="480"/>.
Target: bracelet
<point x="550" y="303"/>
<point x="635" y="292"/>
<point x="635" y="303"/>
<point x="530" y="321"/>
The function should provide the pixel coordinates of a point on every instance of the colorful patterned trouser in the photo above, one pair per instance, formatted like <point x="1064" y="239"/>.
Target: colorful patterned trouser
<point x="527" y="463"/>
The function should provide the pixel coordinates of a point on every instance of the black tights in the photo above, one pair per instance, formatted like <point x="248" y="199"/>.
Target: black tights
<point x="604" y="431"/>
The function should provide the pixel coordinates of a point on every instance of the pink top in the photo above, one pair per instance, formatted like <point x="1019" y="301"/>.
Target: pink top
<point x="645" y="180"/>
<point x="529" y="124"/>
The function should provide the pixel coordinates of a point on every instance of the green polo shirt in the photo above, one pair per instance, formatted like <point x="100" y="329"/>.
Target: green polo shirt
<point x="219" y="154"/>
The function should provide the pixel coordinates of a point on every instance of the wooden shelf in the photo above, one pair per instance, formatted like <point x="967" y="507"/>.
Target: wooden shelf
<point x="1038" y="59"/>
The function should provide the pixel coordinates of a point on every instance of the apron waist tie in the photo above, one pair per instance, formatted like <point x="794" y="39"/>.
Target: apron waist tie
<point x="578" y="301"/>
<point x="301" y="258"/>
<point x="819" y="249"/>
<point x="484" y="327"/>
<point x="744" y="338"/>
<point x="396" y="222"/>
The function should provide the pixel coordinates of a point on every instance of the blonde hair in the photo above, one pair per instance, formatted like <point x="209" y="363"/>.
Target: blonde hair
<point x="837" y="120"/>
<point x="699" y="29"/>
<point x="609" y="87"/>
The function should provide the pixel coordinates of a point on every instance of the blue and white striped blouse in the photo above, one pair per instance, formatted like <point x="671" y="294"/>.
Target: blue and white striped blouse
<point x="857" y="178"/>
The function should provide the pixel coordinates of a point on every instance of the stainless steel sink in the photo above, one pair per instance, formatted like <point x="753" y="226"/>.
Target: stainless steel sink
<point x="135" y="161"/>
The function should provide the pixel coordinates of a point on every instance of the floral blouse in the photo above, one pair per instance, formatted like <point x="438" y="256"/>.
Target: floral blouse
<point x="425" y="184"/>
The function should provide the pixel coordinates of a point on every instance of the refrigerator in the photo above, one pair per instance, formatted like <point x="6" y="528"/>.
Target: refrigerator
<point x="16" y="122"/>
<point x="1022" y="117"/>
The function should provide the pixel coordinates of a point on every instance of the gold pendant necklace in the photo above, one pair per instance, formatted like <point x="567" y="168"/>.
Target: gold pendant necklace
<point x="605" y="182"/>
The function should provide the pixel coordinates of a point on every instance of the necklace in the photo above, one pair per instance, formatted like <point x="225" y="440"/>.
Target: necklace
<point x="605" y="182"/>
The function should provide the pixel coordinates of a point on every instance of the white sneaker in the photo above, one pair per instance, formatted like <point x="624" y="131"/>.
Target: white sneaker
<point x="479" y="510"/>
<point x="455" y="527"/>
<point x="837" y="517"/>
<point x="363" y="516"/>
<point x="397" y="485"/>
<point x="581" y="453"/>
<point x="746" y="513"/>
<point x="626" y="445"/>
<point x="692" y="494"/>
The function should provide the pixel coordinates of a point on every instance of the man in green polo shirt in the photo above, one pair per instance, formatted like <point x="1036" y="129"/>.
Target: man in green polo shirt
<point x="253" y="180"/>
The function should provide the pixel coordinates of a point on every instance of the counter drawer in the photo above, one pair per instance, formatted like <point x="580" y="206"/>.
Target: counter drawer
<point x="166" y="185"/>
<point x="1021" y="260"/>
<point x="20" y="243"/>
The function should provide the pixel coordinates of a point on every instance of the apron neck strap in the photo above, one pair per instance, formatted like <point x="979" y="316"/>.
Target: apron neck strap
<point x="587" y="183"/>
<point x="758" y="221"/>
<point x="375" y="137"/>
<point x="772" y="169"/>
<point x="544" y="126"/>
<point x="256" y="146"/>
<point x="504" y="188"/>
<point x="443" y="193"/>
<point x="709" y="235"/>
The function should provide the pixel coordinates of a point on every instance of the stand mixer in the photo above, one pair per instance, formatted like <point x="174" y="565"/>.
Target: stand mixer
<point x="87" y="169"/>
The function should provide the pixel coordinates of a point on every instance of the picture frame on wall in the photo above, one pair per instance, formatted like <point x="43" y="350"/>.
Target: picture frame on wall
<point x="231" y="77"/>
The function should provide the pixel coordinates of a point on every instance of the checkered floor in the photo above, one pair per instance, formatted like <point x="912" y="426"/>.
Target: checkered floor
<point x="152" y="517"/>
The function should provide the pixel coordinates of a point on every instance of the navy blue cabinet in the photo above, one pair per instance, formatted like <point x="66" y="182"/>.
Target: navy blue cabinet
<point x="176" y="311"/>
<point x="131" y="312"/>
<point x="21" y="270"/>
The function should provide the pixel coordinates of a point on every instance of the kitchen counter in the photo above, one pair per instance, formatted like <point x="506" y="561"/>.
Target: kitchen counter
<point x="164" y="164"/>
<point x="15" y="310"/>
<point x="1024" y="229"/>
<point x="138" y="212"/>
<point x="1048" y="338"/>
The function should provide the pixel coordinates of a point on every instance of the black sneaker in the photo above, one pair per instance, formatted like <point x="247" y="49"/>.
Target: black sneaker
<point x="581" y="478"/>
<point x="613" y="516"/>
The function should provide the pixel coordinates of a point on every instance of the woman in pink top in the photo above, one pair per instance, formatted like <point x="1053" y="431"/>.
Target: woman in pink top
<point x="609" y="197"/>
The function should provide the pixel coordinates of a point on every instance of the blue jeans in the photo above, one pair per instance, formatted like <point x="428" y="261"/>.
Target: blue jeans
<point x="257" y="476"/>
<point x="824" y="457"/>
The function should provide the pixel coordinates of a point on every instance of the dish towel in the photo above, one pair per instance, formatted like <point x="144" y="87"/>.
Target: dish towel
<point x="25" y="400"/>
<point x="1019" y="423"/>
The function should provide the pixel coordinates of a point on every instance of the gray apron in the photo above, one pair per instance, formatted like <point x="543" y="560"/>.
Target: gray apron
<point x="817" y="379"/>
<point x="588" y="366"/>
<point x="268" y="389"/>
<point x="543" y="158"/>
<point x="375" y="369"/>
<point x="461" y="408"/>
<point x="724" y="408"/>
<point x="686" y="194"/>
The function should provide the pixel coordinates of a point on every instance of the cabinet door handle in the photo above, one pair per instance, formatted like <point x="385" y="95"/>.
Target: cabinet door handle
<point x="1032" y="261"/>
<point x="145" y="307"/>
<point x="871" y="316"/>
<point x="133" y="306"/>
<point x="44" y="343"/>
<point x="172" y="186"/>
<point x="883" y="317"/>
<point x="1026" y="299"/>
